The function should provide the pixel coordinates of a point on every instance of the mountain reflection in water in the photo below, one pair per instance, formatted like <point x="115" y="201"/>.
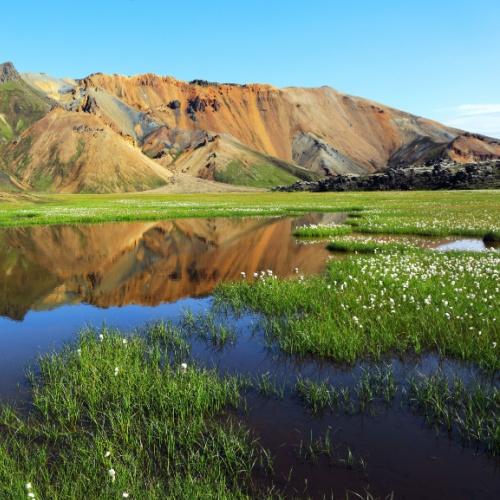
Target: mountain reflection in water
<point x="145" y="263"/>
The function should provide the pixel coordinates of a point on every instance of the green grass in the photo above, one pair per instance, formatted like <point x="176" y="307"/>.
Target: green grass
<point x="255" y="175"/>
<point x="321" y="231"/>
<point x="472" y="412"/>
<point x="109" y="405"/>
<point x="468" y="213"/>
<point x="360" y="246"/>
<point x="387" y="303"/>
<point x="205" y="327"/>
<point x="21" y="106"/>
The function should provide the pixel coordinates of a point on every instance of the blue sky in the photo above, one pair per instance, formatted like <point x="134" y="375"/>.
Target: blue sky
<point x="439" y="59"/>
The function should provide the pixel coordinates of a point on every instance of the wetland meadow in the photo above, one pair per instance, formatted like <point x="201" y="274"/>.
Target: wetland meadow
<point x="253" y="345"/>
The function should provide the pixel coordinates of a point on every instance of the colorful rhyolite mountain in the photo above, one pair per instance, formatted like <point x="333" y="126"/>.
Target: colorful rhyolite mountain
<point x="112" y="133"/>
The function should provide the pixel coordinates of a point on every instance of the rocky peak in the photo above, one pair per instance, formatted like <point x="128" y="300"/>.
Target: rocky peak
<point x="8" y="72"/>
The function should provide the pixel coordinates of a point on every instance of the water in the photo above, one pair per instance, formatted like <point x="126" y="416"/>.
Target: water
<point x="54" y="280"/>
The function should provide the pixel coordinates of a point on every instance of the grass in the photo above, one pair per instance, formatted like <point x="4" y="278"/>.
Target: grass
<point x="467" y="410"/>
<point x="317" y="396"/>
<point x="324" y="446"/>
<point x="388" y="303"/>
<point x="20" y="105"/>
<point x="255" y="175"/>
<point x="113" y="415"/>
<point x="321" y="231"/>
<point x="205" y="327"/>
<point x="471" y="412"/>
<point x="468" y="213"/>
<point x="353" y="246"/>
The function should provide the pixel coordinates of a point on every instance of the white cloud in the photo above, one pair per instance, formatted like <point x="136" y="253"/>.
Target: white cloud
<point x="480" y="118"/>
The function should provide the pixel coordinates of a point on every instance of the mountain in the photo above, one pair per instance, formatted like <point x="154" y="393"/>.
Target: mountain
<point x="75" y="152"/>
<point x="20" y="104"/>
<point x="112" y="133"/>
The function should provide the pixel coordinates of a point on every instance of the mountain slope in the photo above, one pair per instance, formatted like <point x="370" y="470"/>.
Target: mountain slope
<point x="76" y="152"/>
<point x="274" y="121"/>
<point x="20" y="104"/>
<point x="221" y="158"/>
<point x="249" y="135"/>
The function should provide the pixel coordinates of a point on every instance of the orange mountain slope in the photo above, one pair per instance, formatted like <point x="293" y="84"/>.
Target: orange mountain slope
<point x="77" y="152"/>
<point x="110" y="133"/>
<point x="318" y="128"/>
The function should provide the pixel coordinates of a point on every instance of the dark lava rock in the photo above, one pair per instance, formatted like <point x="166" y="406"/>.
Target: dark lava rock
<point x="175" y="104"/>
<point x="197" y="104"/>
<point x="440" y="175"/>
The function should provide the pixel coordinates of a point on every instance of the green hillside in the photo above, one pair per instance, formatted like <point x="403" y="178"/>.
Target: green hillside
<point x="20" y="106"/>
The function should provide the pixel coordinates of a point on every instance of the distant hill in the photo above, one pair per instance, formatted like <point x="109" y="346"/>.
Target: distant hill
<point x="112" y="133"/>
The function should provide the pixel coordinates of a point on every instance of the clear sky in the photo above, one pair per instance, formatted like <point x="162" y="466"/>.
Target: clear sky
<point x="438" y="58"/>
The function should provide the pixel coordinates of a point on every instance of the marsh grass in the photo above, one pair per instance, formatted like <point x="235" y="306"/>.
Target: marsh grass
<point x="376" y="383"/>
<point x="337" y="455"/>
<point x="317" y="396"/>
<point x="268" y="387"/>
<point x="472" y="412"/>
<point x="387" y="303"/>
<point x="361" y="246"/>
<point x="467" y="213"/>
<point x="206" y="327"/>
<point x="111" y="416"/>
<point x="321" y="231"/>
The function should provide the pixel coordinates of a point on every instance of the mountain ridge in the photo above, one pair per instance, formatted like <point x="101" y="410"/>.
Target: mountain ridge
<point x="254" y="135"/>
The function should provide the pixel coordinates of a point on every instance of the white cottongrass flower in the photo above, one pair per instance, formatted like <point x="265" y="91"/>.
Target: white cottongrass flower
<point x="124" y="341"/>
<point x="101" y="337"/>
<point x="112" y="474"/>
<point x="125" y="494"/>
<point x="79" y="352"/>
<point x="184" y="367"/>
<point x="107" y="454"/>
<point x="243" y="274"/>
<point x="31" y="494"/>
<point x="117" y="370"/>
<point x="28" y="486"/>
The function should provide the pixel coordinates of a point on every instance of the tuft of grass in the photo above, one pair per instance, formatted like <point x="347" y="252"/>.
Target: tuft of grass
<point x="377" y="382"/>
<point x="471" y="412"/>
<point x="205" y="327"/>
<point x="323" y="446"/>
<point x="112" y="416"/>
<point x="268" y="387"/>
<point x="317" y="396"/>
<point x="321" y="231"/>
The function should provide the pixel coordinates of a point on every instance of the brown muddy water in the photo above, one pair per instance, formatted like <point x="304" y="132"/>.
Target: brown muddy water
<point x="56" y="279"/>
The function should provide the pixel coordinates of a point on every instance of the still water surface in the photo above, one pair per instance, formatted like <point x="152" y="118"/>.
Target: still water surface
<point x="54" y="280"/>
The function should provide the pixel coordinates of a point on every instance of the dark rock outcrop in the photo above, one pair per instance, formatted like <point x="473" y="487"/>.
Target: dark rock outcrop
<point x="8" y="73"/>
<point x="440" y="175"/>
<point x="198" y="104"/>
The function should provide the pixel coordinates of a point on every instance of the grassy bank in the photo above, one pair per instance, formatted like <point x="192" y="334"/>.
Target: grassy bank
<point x="114" y="417"/>
<point x="392" y="302"/>
<point x="472" y="213"/>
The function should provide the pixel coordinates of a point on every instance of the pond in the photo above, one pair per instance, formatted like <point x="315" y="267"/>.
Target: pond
<point x="56" y="279"/>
